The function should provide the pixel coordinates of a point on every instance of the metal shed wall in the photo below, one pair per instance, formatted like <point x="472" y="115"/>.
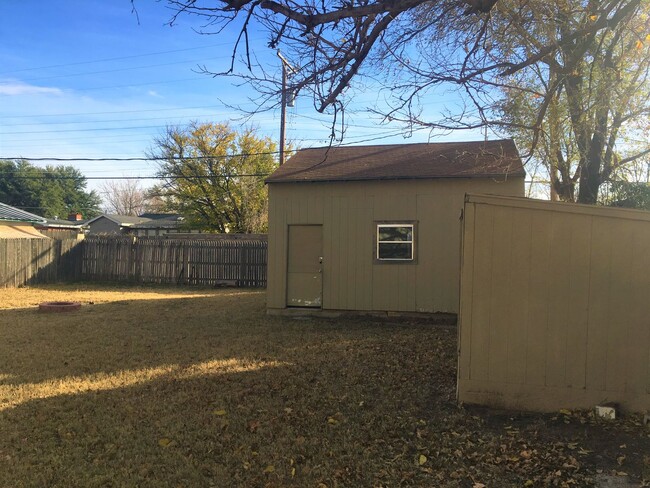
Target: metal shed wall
<point x="347" y="211"/>
<point x="555" y="305"/>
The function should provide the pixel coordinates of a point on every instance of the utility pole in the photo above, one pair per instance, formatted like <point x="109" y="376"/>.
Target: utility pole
<point x="284" y="102"/>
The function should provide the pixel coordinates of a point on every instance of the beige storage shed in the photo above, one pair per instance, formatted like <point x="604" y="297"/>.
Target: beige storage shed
<point x="377" y="228"/>
<point x="554" y="305"/>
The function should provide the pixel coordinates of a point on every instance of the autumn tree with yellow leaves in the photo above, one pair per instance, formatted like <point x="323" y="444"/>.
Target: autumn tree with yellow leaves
<point x="214" y="176"/>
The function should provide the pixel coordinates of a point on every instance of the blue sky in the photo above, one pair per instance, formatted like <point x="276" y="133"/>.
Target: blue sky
<point x="86" y="79"/>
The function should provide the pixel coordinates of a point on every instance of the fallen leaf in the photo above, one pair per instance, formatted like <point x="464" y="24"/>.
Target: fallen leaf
<point x="219" y="413"/>
<point x="620" y="460"/>
<point x="478" y="485"/>
<point x="332" y="421"/>
<point x="269" y="469"/>
<point x="564" y="411"/>
<point x="164" y="442"/>
<point x="422" y="459"/>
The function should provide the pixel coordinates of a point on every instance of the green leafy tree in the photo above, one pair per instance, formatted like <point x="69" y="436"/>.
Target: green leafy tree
<point x="214" y="176"/>
<point x="629" y="195"/>
<point x="51" y="191"/>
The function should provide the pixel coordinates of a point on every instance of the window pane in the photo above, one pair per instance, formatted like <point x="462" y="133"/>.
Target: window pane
<point x="395" y="251"/>
<point x="404" y="233"/>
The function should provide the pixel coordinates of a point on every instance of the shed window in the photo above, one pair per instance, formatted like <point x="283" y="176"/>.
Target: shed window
<point x="395" y="242"/>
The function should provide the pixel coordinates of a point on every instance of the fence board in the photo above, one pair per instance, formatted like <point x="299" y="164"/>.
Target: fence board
<point x="236" y="262"/>
<point x="37" y="261"/>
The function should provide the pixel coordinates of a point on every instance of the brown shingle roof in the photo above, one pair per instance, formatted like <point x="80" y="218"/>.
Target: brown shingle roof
<point x="477" y="159"/>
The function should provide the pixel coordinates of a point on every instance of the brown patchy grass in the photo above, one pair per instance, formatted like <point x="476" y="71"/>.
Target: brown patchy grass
<point x="171" y="387"/>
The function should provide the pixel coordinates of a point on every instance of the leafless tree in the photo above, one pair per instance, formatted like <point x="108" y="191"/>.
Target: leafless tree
<point x="483" y="49"/>
<point x="126" y="197"/>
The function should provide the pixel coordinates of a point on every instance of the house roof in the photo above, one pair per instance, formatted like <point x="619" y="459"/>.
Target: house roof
<point x="123" y="220"/>
<point x="13" y="214"/>
<point x="62" y="224"/>
<point x="475" y="159"/>
<point x="172" y="222"/>
<point x="158" y="216"/>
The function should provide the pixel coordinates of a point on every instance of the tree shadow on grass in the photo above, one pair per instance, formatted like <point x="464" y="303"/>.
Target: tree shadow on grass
<point x="126" y="335"/>
<point x="209" y="391"/>
<point x="252" y="401"/>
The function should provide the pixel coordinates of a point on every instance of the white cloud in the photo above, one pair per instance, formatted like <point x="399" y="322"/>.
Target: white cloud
<point x="153" y="93"/>
<point x="16" y="88"/>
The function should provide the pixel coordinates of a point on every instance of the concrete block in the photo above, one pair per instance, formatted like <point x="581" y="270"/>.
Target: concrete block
<point x="606" y="411"/>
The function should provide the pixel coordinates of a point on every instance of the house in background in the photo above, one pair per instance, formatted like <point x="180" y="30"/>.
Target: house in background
<point x="160" y="224"/>
<point x="377" y="228"/>
<point x="145" y="225"/>
<point x="18" y="224"/>
<point x="72" y="228"/>
<point x="111" y="224"/>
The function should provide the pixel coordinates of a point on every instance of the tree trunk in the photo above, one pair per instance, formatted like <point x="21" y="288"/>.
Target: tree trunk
<point x="590" y="180"/>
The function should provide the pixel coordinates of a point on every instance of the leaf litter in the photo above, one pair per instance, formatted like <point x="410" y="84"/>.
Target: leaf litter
<point x="354" y="403"/>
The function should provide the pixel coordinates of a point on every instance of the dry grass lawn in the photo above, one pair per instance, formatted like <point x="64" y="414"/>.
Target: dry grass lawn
<point x="174" y="387"/>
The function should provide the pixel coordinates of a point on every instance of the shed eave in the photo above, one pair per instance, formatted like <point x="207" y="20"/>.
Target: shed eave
<point x="396" y="178"/>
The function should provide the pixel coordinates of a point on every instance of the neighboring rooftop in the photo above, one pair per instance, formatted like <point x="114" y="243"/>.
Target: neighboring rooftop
<point x="63" y="224"/>
<point x="475" y="159"/>
<point x="158" y="216"/>
<point x="167" y="222"/>
<point x="123" y="220"/>
<point x="13" y="214"/>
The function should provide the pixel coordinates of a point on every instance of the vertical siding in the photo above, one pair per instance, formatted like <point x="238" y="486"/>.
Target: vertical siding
<point x="347" y="211"/>
<point x="554" y="305"/>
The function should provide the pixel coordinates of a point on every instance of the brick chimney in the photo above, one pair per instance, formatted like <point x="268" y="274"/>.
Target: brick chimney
<point x="75" y="216"/>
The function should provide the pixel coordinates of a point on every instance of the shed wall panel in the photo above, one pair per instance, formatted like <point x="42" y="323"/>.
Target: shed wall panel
<point x="348" y="212"/>
<point x="559" y="301"/>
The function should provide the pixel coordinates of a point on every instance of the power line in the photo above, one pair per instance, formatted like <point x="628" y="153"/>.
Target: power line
<point x="155" y="158"/>
<point x="155" y="177"/>
<point x="134" y="56"/>
<point x="115" y="70"/>
<point x="111" y="120"/>
<point x="181" y="80"/>
<point x="107" y="113"/>
<point x="86" y="130"/>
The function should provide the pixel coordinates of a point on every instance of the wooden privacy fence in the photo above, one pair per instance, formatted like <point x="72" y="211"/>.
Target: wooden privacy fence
<point x="234" y="262"/>
<point x="33" y="261"/>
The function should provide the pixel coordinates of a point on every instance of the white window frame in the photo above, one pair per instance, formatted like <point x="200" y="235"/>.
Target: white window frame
<point x="413" y="227"/>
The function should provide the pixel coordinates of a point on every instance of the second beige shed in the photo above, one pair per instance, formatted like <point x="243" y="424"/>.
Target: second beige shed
<point x="377" y="228"/>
